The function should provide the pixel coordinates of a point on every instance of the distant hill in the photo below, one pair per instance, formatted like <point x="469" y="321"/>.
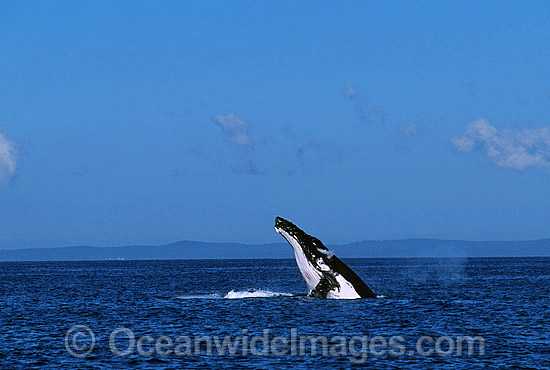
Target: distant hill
<point x="366" y="249"/>
<point x="179" y="250"/>
<point x="445" y="248"/>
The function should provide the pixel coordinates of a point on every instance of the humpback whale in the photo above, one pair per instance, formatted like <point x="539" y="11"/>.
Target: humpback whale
<point x="325" y="274"/>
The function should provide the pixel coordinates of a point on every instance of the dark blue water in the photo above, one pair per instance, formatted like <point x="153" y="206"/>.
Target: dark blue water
<point x="506" y="301"/>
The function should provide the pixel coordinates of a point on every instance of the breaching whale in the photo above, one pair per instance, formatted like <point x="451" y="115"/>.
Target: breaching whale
<point x="325" y="274"/>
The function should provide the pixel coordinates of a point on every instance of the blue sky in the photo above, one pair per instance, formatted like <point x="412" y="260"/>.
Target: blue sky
<point x="147" y="122"/>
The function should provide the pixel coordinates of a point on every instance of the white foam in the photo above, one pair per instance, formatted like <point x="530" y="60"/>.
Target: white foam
<point x="234" y="294"/>
<point x="201" y="296"/>
<point x="254" y="294"/>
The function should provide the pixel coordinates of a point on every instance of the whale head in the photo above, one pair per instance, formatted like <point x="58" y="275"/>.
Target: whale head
<point x="312" y="257"/>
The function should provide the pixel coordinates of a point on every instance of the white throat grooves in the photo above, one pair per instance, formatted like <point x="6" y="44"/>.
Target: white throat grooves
<point x="310" y="274"/>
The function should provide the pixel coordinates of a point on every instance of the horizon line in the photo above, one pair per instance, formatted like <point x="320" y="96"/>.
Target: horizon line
<point x="76" y="245"/>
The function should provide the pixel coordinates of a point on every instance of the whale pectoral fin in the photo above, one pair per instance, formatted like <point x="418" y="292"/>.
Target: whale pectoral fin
<point x="322" y="288"/>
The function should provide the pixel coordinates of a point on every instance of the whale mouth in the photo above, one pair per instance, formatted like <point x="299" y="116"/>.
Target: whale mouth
<point x="281" y="225"/>
<point x="290" y="232"/>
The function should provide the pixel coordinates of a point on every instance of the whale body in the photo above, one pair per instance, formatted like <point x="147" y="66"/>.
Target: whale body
<point x="325" y="274"/>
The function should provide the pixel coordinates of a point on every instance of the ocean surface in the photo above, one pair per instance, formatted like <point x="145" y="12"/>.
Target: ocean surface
<point x="168" y="306"/>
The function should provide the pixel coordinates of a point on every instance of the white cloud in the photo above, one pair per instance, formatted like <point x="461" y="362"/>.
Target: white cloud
<point x="234" y="129"/>
<point x="8" y="157"/>
<point x="406" y="134"/>
<point x="507" y="148"/>
<point x="350" y="91"/>
<point x="366" y="114"/>
<point x="410" y="130"/>
<point x="237" y="133"/>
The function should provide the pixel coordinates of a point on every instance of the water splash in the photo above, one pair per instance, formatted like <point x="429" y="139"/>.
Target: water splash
<point x="253" y="293"/>
<point x="235" y="294"/>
